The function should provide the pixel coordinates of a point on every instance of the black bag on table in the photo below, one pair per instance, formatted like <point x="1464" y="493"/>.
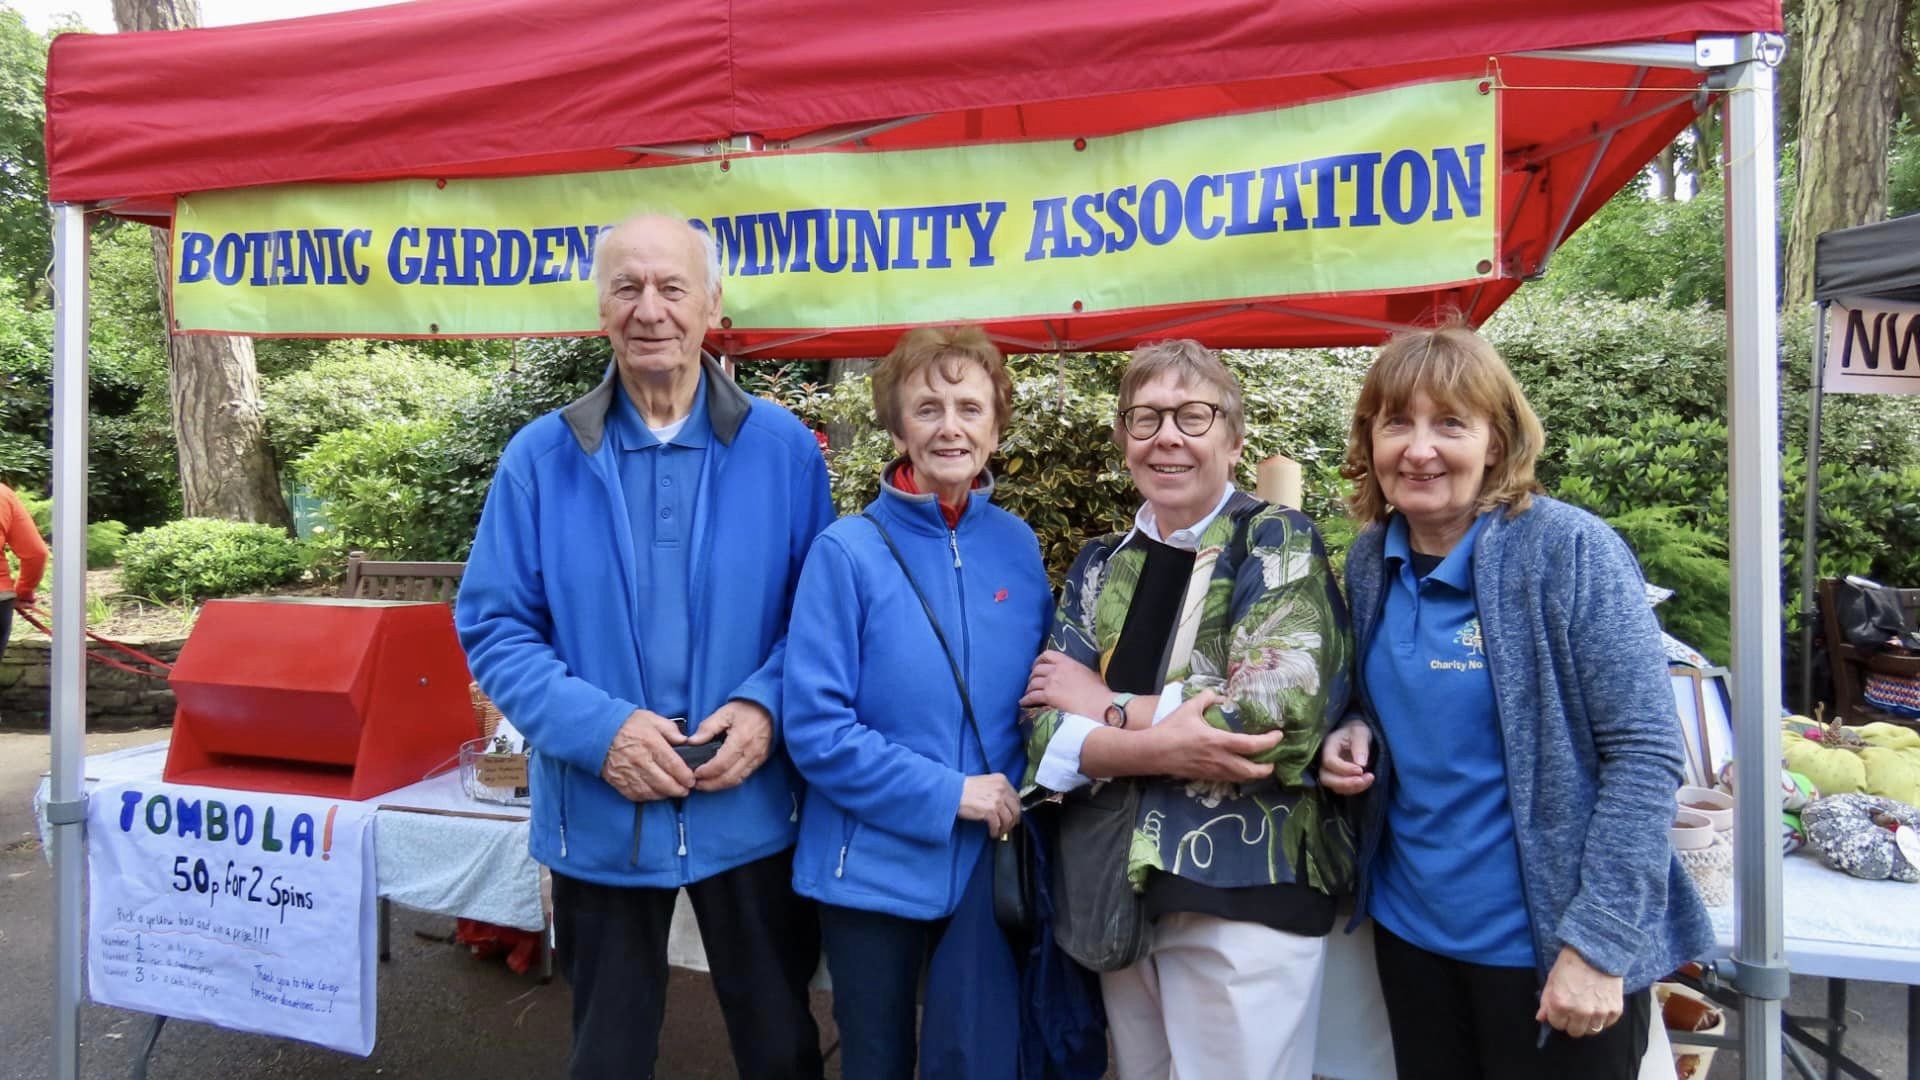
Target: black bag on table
<point x="1870" y="616"/>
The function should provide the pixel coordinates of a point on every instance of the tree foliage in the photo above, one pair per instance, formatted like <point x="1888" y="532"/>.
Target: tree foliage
<point x="353" y="384"/>
<point x="26" y="238"/>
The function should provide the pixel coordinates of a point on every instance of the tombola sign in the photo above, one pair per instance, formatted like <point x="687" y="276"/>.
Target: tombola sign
<point x="1374" y="192"/>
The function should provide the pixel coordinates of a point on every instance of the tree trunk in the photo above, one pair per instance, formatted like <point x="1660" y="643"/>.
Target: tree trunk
<point x="1665" y="173"/>
<point x="226" y="468"/>
<point x="1849" y="88"/>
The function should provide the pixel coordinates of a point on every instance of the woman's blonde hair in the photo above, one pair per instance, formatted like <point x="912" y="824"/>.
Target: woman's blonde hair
<point x="1460" y="372"/>
<point x="945" y="349"/>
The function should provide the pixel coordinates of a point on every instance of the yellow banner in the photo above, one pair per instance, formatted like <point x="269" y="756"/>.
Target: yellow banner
<point x="1392" y="190"/>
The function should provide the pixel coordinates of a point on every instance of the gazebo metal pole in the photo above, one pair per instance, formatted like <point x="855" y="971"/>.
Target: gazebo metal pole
<point x="67" y="810"/>
<point x="1810" y="532"/>
<point x="1753" y="408"/>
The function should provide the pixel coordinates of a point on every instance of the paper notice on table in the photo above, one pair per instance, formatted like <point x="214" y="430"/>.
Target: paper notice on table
<point x="249" y="910"/>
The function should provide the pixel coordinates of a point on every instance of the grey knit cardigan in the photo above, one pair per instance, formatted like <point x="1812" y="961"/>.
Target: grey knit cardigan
<point x="1592" y="739"/>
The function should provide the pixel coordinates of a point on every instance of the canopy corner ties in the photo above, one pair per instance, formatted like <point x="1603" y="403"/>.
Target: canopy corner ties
<point x="67" y="811"/>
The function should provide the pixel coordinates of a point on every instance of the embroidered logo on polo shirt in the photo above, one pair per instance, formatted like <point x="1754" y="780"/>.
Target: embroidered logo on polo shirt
<point x="1469" y="638"/>
<point x="999" y="595"/>
<point x="1470" y="641"/>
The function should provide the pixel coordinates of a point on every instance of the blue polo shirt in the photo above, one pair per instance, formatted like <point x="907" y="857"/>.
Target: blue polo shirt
<point x="1448" y="877"/>
<point x="661" y="481"/>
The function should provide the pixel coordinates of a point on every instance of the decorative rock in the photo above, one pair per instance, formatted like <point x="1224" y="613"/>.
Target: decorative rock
<point x="1849" y="833"/>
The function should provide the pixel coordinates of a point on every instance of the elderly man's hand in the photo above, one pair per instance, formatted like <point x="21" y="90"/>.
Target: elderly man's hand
<point x="749" y="732"/>
<point x="1185" y="746"/>
<point x="1058" y="681"/>
<point x="641" y="763"/>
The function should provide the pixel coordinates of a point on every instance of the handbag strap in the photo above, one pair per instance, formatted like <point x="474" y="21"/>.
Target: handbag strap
<point x="953" y="662"/>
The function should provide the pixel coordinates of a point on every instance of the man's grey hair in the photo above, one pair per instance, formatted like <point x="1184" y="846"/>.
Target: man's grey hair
<point x="709" y="250"/>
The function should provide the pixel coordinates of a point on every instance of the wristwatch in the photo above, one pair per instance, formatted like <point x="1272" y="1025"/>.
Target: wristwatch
<point x="1116" y="715"/>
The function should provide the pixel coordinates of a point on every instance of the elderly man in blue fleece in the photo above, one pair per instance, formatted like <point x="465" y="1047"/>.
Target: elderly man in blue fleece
<point x="625" y="605"/>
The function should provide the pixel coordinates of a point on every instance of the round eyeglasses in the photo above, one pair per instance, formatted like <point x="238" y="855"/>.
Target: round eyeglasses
<point x="1193" y="418"/>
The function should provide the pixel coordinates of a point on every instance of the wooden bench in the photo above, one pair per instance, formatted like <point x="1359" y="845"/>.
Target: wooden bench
<point x="372" y="579"/>
<point x="1852" y="664"/>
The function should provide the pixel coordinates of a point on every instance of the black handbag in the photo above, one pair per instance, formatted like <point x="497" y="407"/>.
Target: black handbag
<point x="1098" y="919"/>
<point x="1870" y="615"/>
<point x="1013" y="902"/>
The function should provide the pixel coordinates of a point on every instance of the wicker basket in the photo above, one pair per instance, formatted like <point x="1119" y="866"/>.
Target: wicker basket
<point x="486" y="715"/>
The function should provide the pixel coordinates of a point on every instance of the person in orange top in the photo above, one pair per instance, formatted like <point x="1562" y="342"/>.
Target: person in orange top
<point x="20" y="535"/>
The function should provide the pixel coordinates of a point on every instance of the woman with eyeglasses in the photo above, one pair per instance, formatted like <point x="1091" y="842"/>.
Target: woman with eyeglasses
<point x="1204" y="652"/>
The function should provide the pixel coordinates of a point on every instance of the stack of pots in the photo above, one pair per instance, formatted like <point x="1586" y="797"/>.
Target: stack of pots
<point x="1702" y="834"/>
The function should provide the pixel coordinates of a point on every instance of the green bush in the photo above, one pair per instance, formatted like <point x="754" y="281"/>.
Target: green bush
<point x="1641" y="248"/>
<point x="353" y="385"/>
<point x="104" y="541"/>
<point x="369" y="483"/>
<point x="104" y="538"/>
<point x="455" y="467"/>
<point x="410" y="485"/>
<point x="204" y="557"/>
<point x="1663" y="483"/>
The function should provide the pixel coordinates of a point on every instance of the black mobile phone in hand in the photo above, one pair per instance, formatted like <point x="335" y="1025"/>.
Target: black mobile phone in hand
<point x="697" y="755"/>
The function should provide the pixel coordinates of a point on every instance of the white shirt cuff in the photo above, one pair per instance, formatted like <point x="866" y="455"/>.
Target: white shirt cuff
<point x="1170" y="699"/>
<point x="1060" y="766"/>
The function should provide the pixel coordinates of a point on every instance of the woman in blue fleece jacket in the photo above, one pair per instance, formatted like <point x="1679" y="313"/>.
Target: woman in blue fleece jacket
<point x="903" y="791"/>
<point x="1519" y="748"/>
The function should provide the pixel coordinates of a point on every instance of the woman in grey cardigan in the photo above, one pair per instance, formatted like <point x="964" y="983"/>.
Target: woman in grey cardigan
<point x="1516" y="738"/>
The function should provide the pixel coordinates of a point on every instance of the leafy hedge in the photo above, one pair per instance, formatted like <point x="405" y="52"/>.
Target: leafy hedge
<point x="197" y="558"/>
<point x="412" y="488"/>
<point x="353" y="385"/>
<point x="1663" y="483"/>
<point x="1631" y="393"/>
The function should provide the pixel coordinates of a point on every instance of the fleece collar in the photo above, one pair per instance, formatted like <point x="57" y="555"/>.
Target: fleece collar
<point x="727" y="407"/>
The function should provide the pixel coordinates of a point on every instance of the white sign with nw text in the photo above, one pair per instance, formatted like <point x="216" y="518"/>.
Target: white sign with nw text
<point x="1873" y="347"/>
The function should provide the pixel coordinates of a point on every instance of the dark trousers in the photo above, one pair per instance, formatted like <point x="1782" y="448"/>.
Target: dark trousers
<point x="1453" y="1019"/>
<point x="762" y="944"/>
<point x="972" y="1029"/>
<point x="6" y="623"/>
<point x="876" y="961"/>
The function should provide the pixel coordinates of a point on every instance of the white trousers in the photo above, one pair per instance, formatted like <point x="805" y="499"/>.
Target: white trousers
<point x="1215" y="998"/>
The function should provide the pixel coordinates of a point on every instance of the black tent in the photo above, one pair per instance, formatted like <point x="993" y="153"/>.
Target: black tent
<point x="1866" y="266"/>
<point x="1879" y="261"/>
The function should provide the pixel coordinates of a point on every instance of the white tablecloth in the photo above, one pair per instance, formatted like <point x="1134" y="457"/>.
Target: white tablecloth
<point x="1842" y="927"/>
<point x="435" y="849"/>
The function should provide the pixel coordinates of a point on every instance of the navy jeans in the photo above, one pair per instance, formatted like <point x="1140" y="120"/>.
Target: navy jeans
<point x="876" y="961"/>
<point x="972" y="1001"/>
